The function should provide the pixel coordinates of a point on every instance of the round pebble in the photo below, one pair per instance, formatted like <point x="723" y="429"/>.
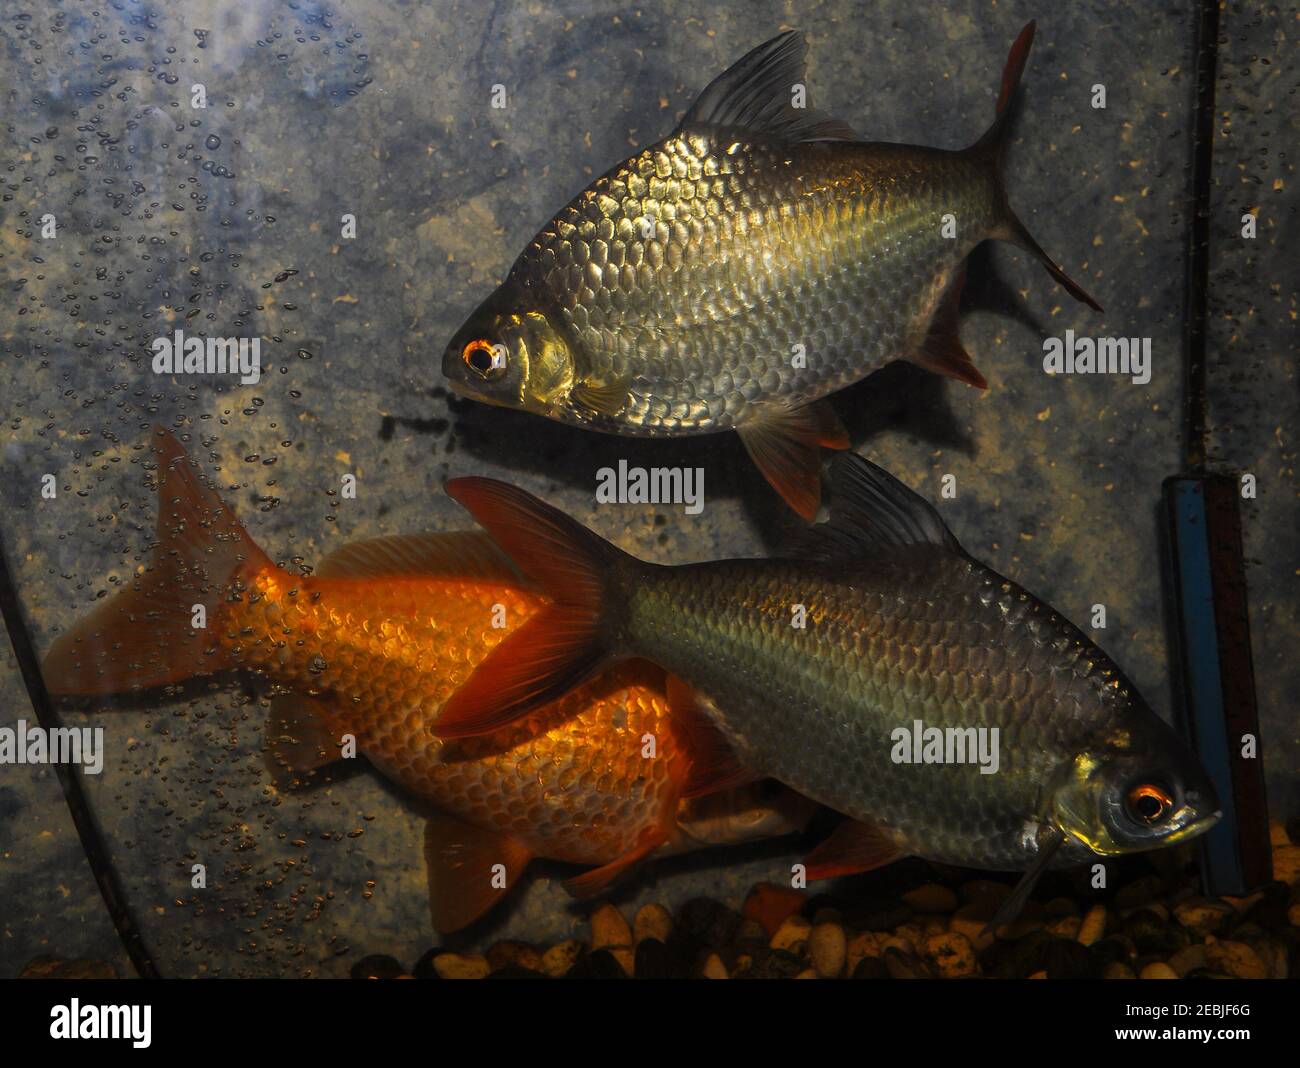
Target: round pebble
<point x="514" y="955"/>
<point x="931" y="898"/>
<point x="461" y="966"/>
<point x="1066" y="927"/>
<point x="792" y="935"/>
<point x="608" y="928"/>
<point x="951" y="954"/>
<point x="610" y="932"/>
<point x="1202" y="917"/>
<point x="1236" y="958"/>
<point x="557" y="960"/>
<point x="652" y="921"/>
<point x="861" y="946"/>
<point x="828" y="948"/>
<point x="971" y="921"/>
<point x="713" y="968"/>
<point x="1093" y="925"/>
<point x="1189" y="959"/>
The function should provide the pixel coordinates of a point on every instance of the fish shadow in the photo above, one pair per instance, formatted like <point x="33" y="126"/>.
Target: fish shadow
<point x="899" y="398"/>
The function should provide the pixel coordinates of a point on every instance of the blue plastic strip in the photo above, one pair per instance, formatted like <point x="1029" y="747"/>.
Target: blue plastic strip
<point x="1203" y="682"/>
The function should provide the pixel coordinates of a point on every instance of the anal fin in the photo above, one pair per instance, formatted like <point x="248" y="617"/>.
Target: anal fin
<point x="593" y="882"/>
<point x="852" y="847"/>
<point x="942" y="351"/>
<point x="784" y="442"/>
<point x="461" y="864"/>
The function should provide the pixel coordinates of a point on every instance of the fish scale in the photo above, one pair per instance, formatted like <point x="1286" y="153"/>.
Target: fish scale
<point x="571" y="778"/>
<point x="836" y="247"/>
<point x="372" y="645"/>
<point x="881" y="649"/>
<point x="736" y="273"/>
<point x="836" y="667"/>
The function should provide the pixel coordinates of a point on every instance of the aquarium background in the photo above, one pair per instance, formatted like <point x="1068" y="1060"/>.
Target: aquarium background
<point x="227" y="221"/>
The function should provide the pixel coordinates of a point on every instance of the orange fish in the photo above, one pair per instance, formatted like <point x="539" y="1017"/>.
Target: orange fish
<point x="371" y="646"/>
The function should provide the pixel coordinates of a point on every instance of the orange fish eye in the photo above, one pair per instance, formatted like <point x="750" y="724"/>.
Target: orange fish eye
<point x="484" y="358"/>
<point x="1150" y="803"/>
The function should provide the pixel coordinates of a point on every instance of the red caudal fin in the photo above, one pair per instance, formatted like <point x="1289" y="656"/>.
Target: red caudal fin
<point x="992" y="147"/>
<point x="564" y="643"/>
<point x="146" y="634"/>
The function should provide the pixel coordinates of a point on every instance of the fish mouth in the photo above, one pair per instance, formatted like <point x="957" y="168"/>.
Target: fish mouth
<point x="1187" y="824"/>
<point x="1193" y="824"/>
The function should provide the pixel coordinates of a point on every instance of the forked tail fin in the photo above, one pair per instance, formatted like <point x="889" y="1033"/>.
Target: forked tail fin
<point x="561" y="645"/>
<point x="992" y="146"/>
<point x="145" y="634"/>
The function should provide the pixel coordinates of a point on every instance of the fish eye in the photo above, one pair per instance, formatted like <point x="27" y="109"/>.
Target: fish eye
<point x="1149" y="803"/>
<point x="484" y="358"/>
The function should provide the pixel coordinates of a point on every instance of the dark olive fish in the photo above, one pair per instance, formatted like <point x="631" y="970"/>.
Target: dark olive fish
<point x="733" y="275"/>
<point x="902" y="630"/>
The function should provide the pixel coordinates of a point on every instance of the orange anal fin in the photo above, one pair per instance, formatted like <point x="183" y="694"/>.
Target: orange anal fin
<point x="713" y="763"/>
<point x="593" y="882"/>
<point x="299" y="739"/>
<point x="469" y="870"/>
<point x="785" y="445"/>
<point x="852" y="847"/>
<point x="942" y="350"/>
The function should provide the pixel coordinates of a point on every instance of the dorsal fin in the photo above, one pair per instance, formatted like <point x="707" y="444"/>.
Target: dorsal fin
<point x="756" y="93"/>
<point x="467" y="554"/>
<point x="871" y="512"/>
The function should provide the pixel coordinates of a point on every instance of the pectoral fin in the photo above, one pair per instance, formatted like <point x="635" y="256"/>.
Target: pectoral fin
<point x="469" y="870"/>
<point x="1049" y="841"/>
<point x="853" y="847"/>
<point x="785" y="444"/>
<point x="602" y="398"/>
